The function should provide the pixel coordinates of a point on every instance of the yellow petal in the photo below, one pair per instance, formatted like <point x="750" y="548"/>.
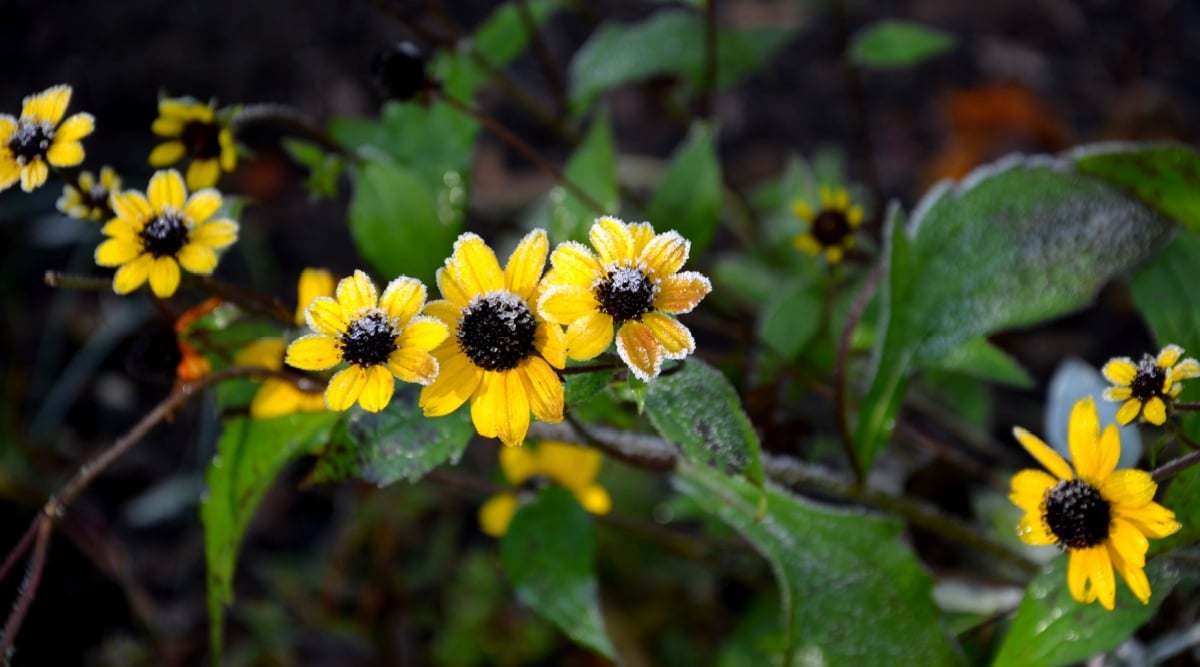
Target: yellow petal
<point x="326" y="316"/>
<point x="485" y="414"/>
<point x="64" y="153"/>
<point x="474" y="266"/>
<point x="313" y="353"/>
<point x="544" y="389"/>
<point x="496" y="514"/>
<point x="808" y="244"/>
<point x="215" y="234"/>
<point x="1127" y="541"/>
<point x="184" y="108"/>
<point x="1129" y="411"/>
<point x="675" y="339"/>
<point x="642" y="233"/>
<point x="1098" y="566"/>
<point x="345" y="388"/>
<point x="456" y="381"/>
<point x="1152" y="520"/>
<point x="131" y="276"/>
<point x="1083" y="436"/>
<point x="1128" y="489"/>
<point x="803" y="210"/>
<point x="228" y="155"/>
<point x="115" y="252"/>
<point x="611" y="239"/>
<point x="164" y="277"/>
<point x="34" y="175"/>
<point x="681" y="292"/>
<point x="501" y="407"/>
<point x="518" y="464"/>
<point x="413" y="365"/>
<point x="665" y="254"/>
<point x="355" y="293"/>
<point x="1108" y="453"/>
<point x="1186" y="369"/>
<point x="275" y="398"/>
<point x="197" y="259"/>
<point x="131" y="206"/>
<point x="834" y="254"/>
<point x="1077" y="575"/>
<point x="571" y="466"/>
<point x="167" y="190"/>
<point x="550" y="342"/>
<point x="563" y="304"/>
<point x="202" y="205"/>
<point x="167" y="127"/>
<point x="312" y="284"/>
<point x="594" y="499"/>
<point x="525" y="265"/>
<point x="1155" y="411"/>
<point x="640" y="350"/>
<point x="166" y="154"/>
<point x="1120" y="370"/>
<point x="1032" y="530"/>
<point x="1029" y="489"/>
<point x="1168" y="356"/>
<point x="262" y="353"/>
<point x="575" y="264"/>
<point x="49" y="105"/>
<point x="203" y="173"/>
<point x="1134" y="575"/>
<point x="1117" y="393"/>
<point x="402" y="299"/>
<point x="378" y="389"/>
<point x="589" y="336"/>
<point x="1049" y="458"/>
<point x="75" y="128"/>
<point x="423" y="333"/>
<point x="450" y="289"/>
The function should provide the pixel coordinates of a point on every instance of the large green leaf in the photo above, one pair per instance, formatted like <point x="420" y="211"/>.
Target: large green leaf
<point x="892" y="44"/>
<point x="549" y="553"/>
<point x="593" y="168"/>
<point x="397" y="443"/>
<point x="395" y="221"/>
<point x="1164" y="176"/>
<point x="689" y="198"/>
<point x="250" y="455"/>
<point x="668" y="42"/>
<point x="1052" y="629"/>
<point x="1018" y="242"/>
<point x="696" y="408"/>
<point x="851" y="593"/>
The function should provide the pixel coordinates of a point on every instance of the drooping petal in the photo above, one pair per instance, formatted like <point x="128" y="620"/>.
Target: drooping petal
<point x="115" y="252"/>
<point x="611" y="239"/>
<point x="75" y="128"/>
<point x="575" y="264"/>
<point x="402" y="299"/>
<point x="563" y="304"/>
<point x="1049" y="458"/>
<point x="544" y="389"/>
<point x="378" y="389"/>
<point x="203" y="173"/>
<point x="1098" y="566"/>
<point x="1120" y="370"/>
<point x="326" y="316"/>
<point x="1128" y="488"/>
<point x="345" y="388"/>
<point x="518" y="464"/>
<point x="1186" y="369"/>
<point x="1133" y="574"/>
<point x="413" y="365"/>
<point x="131" y="276"/>
<point x="640" y="350"/>
<point x="496" y="514"/>
<point x="1128" y="542"/>
<point x="474" y="266"/>
<point x="1168" y="356"/>
<point x="34" y="175"/>
<point x="589" y="336"/>
<point x="675" y="339"/>
<point x="164" y="277"/>
<point x="681" y="292"/>
<point x="262" y="353"/>
<point x="1029" y="489"/>
<point x="571" y="466"/>
<point x="456" y="381"/>
<point x="1155" y="411"/>
<point x="275" y="398"/>
<point x="313" y="353"/>
<point x="485" y="413"/>
<point x="1153" y="520"/>
<point x="525" y="265"/>
<point x="501" y="407"/>
<point x="423" y="333"/>
<point x="1129" y="411"/>
<point x="356" y="292"/>
<point x="666" y="253"/>
<point x="167" y="190"/>
<point x="65" y="153"/>
<point x="202" y="204"/>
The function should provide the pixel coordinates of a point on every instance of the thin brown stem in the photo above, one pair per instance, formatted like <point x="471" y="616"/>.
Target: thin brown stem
<point x="1189" y="406"/>
<point x="21" y="548"/>
<point x="1171" y="468"/>
<point x="294" y="122"/>
<point x="73" y="281"/>
<point x="857" y="309"/>
<point x="246" y="299"/>
<point x="29" y="586"/>
<point x="589" y="368"/>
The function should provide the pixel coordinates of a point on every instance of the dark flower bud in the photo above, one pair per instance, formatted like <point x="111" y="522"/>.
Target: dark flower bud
<point x="399" y="71"/>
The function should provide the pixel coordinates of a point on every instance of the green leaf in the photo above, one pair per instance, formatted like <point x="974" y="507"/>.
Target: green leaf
<point x="548" y="553"/>
<point x="1051" y="628"/>
<point x="891" y="44"/>
<point x="395" y="222"/>
<point x="851" y="593"/>
<point x="668" y="42"/>
<point x="1164" y="176"/>
<point x="980" y="359"/>
<point x="399" y="442"/>
<point x="593" y="167"/>
<point x="579" y="388"/>
<point x="250" y="455"/>
<point x="790" y="319"/>
<point x="1019" y="242"/>
<point x="696" y="408"/>
<point x="689" y="198"/>
<point x="323" y="168"/>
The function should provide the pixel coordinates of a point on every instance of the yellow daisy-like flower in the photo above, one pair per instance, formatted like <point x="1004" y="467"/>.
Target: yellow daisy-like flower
<point x="33" y="143"/>
<point x="831" y="227"/>
<point x="151" y="238"/>
<point x="631" y="284"/>
<point x="1101" y="516"/>
<point x="379" y="336"/>
<point x="275" y="396"/>
<point x="1148" y="387"/>
<point x="570" y="466"/>
<point x="197" y="133"/>
<point x="87" y="198"/>
<point x="500" y="354"/>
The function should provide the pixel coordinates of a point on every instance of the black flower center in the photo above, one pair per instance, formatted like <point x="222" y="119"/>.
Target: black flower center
<point x="95" y="197"/>
<point x="1076" y="514"/>
<point x="369" y="340"/>
<point x="201" y="140"/>
<point x="496" y="331"/>
<point x="1149" y="380"/>
<point x="30" y="141"/>
<point x="830" y="227"/>
<point x="165" y="234"/>
<point x="625" y="293"/>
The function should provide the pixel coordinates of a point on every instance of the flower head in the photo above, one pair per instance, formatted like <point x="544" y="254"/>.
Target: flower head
<point x="275" y="396"/>
<point x="831" y="227"/>
<point x="379" y="336"/>
<point x="87" y="198"/>
<point x="500" y="354"/>
<point x="153" y="236"/>
<point x="194" y="131"/>
<point x="1099" y="515"/>
<point x="1148" y="387"/>
<point x="33" y="143"/>
<point x="570" y="466"/>
<point x="632" y="285"/>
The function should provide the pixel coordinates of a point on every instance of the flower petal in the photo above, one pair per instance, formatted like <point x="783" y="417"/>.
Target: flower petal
<point x="49" y="105"/>
<point x="456" y="381"/>
<point x="197" y="259"/>
<point x="502" y="401"/>
<point x="1032" y="530"/>
<point x="131" y="276"/>
<point x="313" y="352"/>
<point x="1127" y="541"/>
<point x="1049" y="458"/>
<point x="325" y="316"/>
<point x="544" y="389"/>
<point x="681" y="292"/>
<point x="808" y="244"/>
<point x="525" y="265"/>
<point x="575" y="264"/>
<point x="1099" y="569"/>
<point x="1155" y="411"/>
<point x="1133" y="574"/>
<point x="665" y="254"/>
<point x="1168" y="356"/>
<point x="423" y="333"/>
<point x="496" y="514"/>
<point x="378" y="390"/>
<point x="1029" y="489"/>
<point x="262" y="353"/>
<point x="215" y="234"/>
<point x="550" y="342"/>
<point x="563" y="304"/>
<point x="642" y="233"/>
<point x="450" y="289"/>
<point x="130" y="206"/>
<point x="164" y="277"/>
<point x="675" y="339"/>
<point x="167" y="190"/>
<point x="356" y="292"/>
<point x="345" y="388"/>
<point x="275" y="398"/>
<point x="589" y="336"/>
<point x="1083" y="437"/>
<point x="203" y="173"/>
<point x="34" y="175"/>
<point x="115" y="252"/>
<point x="1129" y="411"/>
<point x="1128" y="489"/>
<point x="474" y="266"/>
<point x="1152" y="520"/>
<point x="444" y="311"/>
<point x="611" y="239"/>
<point x="202" y="205"/>
<point x="167" y="127"/>
<point x="519" y="464"/>
<point x="1120" y="370"/>
<point x="1117" y="393"/>
<point x="594" y="499"/>
<point x="1186" y="369"/>
<point x="312" y="284"/>
<point x="413" y="365"/>
<point x="571" y="466"/>
<point x="402" y="299"/>
<point x="640" y="350"/>
<point x="803" y="210"/>
<point x="75" y="128"/>
<point x="64" y="153"/>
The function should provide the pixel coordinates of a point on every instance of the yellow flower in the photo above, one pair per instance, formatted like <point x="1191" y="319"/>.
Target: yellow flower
<point x="33" y="143"/>
<point x="379" y="336"/>
<point x="87" y="198"/>
<point x="1099" y="515"/>
<point x="633" y="284"/>
<point x="275" y="397"/>
<point x="570" y="466"/>
<point x="500" y="354"/>
<point x="313" y="283"/>
<point x="830" y="228"/>
<point x="195" y="132"/>
<point x="1149" y="387"/>
<point x="153" y="238"/>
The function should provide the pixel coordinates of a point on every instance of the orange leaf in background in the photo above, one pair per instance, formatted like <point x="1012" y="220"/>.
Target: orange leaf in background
<point x="192" y="365"/>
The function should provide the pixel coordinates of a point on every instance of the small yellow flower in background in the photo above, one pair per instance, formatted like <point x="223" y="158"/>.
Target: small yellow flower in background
<point x="87" y="198"/>
<point x="275" y="396"/>
<point x="151" y="239"/>
<point x="197" y="133"/>
<point x="33" y="143"/>
<point x="633" y="284"/>
<point x="379" y="336"/>
<point x="500" y="355"/>
<point x="570" y="466"/>
<point x="1148" y="387"/>
<point x="313" y="283"/>
<point x="831" y="227"/>
<point x="1099" y="515"/>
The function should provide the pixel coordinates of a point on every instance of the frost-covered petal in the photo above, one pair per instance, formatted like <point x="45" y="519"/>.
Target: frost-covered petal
<point x="356" y="292"/>
<point x="403" y="298"/>
<point x="544" y="389"/>
<point x="167" y="190"/>
<point x="525" y="265"/>
<point x="1120" y="370"/>
<point x="640" y="350"/>
<point x="313" y="353"/>
<point x="115" y="252"/>
<point x="456" y="381"/>
<point x="681" y="292"/>
<point x="666" y="254"/>
<point x="611" y="239"/>
<point x="474" y="266"/>
<point x="345" y="387"/>
<point x="589" y="336"/>
<point x="378" y="389"/>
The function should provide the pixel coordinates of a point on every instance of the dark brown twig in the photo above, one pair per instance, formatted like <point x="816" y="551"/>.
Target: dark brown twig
<point x="1172" y="468"/>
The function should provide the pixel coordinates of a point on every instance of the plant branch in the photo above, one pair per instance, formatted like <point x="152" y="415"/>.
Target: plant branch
<point x="857" y="309"/>
<point x="75" y="281"/>
<point x="1174" y="467"/>
<point x="246" y="299"/>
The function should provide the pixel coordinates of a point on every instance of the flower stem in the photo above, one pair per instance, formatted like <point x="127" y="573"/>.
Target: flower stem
<point x="74" y="281"/>
<point x="1174" y="467"/>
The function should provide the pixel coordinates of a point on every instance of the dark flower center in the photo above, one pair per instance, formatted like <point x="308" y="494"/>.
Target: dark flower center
<point x="830" y="227"/>
<point x="30" y="141"/>
<point x="369" y="340"/>
<point x="1076" y="514"/>
<point x="496" y="331"/>
<point x="1149" y="380"/>
<point x="625" y="293"/>
<point x="165" y="234"/>
<point x="201" y="140"/>
<point x="95" y="197"/>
